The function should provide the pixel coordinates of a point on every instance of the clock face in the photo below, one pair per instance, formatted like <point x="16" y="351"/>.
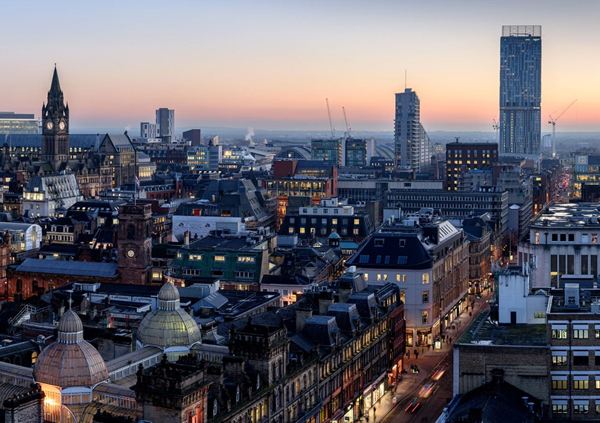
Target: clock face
<point x="130" y="253"/>
<point x="62" y="125"/>
<point x="49" y="125"/>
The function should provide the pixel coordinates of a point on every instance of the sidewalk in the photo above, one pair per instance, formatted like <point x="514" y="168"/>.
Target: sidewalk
<point x="428" y="361"/>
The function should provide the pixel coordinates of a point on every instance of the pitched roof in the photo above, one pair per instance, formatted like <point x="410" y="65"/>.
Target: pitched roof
<point x="60" y="267"/>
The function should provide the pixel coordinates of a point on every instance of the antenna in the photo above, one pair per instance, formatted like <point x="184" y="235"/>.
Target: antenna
<point x="330" y="124"/>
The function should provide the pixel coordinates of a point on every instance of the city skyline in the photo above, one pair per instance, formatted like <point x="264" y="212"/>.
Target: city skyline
<point x="271" y="65"/>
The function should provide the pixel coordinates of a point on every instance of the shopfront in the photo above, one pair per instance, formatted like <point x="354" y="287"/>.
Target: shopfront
<point x="374" y="393"/>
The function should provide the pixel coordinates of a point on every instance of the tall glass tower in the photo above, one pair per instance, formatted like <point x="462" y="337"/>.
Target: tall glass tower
<point x="520" y="89"/>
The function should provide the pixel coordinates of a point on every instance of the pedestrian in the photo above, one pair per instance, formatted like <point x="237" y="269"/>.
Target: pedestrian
<point x="408" y="355"/>
<point x="416" y="355"/>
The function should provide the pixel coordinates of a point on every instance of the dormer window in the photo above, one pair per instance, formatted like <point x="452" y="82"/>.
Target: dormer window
<point x="379" y="242"/>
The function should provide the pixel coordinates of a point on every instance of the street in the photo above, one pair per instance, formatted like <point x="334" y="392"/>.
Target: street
<point x="422" y="397"/>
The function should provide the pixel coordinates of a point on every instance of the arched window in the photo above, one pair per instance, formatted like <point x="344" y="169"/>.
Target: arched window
<point x="34" y="357"/>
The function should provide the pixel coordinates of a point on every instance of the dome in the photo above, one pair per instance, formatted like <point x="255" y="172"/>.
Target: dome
<point x="334" y="235"/>
<point x="168" y="325"/>
<point x="70" y="361"/>
<point x="168" y="292"/>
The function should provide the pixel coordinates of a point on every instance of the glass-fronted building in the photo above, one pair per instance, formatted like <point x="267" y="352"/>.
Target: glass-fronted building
<point x="18" y="123"/>
<point x="520" y="89"/>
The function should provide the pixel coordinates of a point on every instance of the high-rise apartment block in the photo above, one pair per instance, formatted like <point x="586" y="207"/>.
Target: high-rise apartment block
<point x="329" y="150"/>
<point x="413" y="149"/>
<point x="520" y="89"/>
<point x="165" y="121"/>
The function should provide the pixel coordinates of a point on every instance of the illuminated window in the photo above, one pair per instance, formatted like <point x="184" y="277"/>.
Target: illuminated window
<point x="302" y="230"/>
<point x="246" y="259"/>
<point x="424" y="317"/>
<point x="425" y="278"/>
<point x="219" y="258"/>
<point x="356" y="221"/>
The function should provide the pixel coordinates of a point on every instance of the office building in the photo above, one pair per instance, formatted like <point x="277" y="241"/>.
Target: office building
<point x="358" y="152"/>
<point x="520" y="89"/>
<point x="562" y="242"/>
<point x="413" y="149"/>
<point x="165" y="122"/>
<point x="329" y="151"/>
<point x="18" y="123"/>
<point x="194" y="136"/>
<point x="462" y="157"/>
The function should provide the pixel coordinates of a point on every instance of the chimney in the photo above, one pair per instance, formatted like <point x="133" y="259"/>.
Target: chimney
<point x="525" y="401"/>
<point x="530" y="405"/>
<point x="302" y="315"/>
<point x="325" y="300"/>
<point x="344" y="292"/>
<point x="186" y="238"/>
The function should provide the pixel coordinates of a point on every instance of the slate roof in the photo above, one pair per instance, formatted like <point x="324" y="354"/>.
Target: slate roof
<point x="386" y="251"/>
<point x="83" y="141"/>
<point x="496" y="401"/>
<point x="78" y="268"/>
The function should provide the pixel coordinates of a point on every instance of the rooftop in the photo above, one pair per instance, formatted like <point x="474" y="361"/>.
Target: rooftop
<point x="569" y="215"/>
<point x="64" y="267"/>
<point x="485" y="332"/>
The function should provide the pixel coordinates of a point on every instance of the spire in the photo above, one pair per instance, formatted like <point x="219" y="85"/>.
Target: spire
<point x="55" y="87"/>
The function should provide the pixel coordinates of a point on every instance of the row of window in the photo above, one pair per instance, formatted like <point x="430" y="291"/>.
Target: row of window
<point x="219" y="258"/>
<point x="313" y="221"/>
<point x="399" y="278"/>
<point x="577" y="333"/>
<point x="343" y="231"/>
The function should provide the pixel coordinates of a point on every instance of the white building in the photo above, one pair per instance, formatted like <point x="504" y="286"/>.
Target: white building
<point x="45" y="194"/>
<point x="517" y="304"/>
<point x="430" y="263"/>
<point x="562" y="240"/>
<point x="24" y="236"/>
<point x="148" y="130"/>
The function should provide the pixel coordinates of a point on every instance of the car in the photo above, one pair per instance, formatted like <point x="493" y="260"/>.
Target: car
<point x="439" y="373"/>
<point x="426" y="390"/>
<point x="413" y="406"/>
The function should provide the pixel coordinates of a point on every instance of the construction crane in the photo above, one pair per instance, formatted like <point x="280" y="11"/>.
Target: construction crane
<point x="496" y="129"/>
<point x="330" y="123"/>
<point x="346" y="121"/>
<point x="552" y="122"/>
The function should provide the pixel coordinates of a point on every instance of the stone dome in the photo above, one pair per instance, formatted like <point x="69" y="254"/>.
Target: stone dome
<point x="70" y="361"/>
<point x="168" y="325"/>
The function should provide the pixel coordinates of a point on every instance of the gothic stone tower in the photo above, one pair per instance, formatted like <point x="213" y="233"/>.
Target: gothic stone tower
<point x="55" y="127"/>
<point x="135" y="244"/>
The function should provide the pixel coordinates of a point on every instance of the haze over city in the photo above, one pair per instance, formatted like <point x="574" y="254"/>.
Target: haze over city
<point x="271" y="64"/>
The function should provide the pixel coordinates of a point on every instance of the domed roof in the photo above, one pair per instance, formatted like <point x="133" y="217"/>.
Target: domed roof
<point x="70" y="361"/>
<point x="334" y="235"/>
<point x="168" y="292"/>
<point x="70" y="323"/>
<point x="168" y="325"/>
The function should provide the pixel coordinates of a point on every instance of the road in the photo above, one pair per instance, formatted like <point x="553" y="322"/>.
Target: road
<point x="430" y="408"/>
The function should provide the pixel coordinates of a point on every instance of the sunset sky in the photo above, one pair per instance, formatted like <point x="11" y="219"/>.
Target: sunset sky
<point x="271" y="64"/>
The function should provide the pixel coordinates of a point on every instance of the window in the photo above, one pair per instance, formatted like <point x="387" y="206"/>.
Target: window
<point x="559" y="360"/>
<point x="581" y="408"/>
<point x="424" y="317"/>
<point x="557" y="408"/>
<point x="425" y="278"/>
<point x="355" y="231"/>
<point x="357" y="222"/>
<point x="559" y="384"/>
<point x="581" y="384"/>
<point x="379" y="242"/>
<point x="195" y="257"/>
<point x="244" y="274"/>
<point x="580" y="333"/>
<point x="219" y="258"/>
<point x="571" y="237"/>
<point x="580" y="360"/>
<point x="539" y="315"/>
<point x="559" y="334"/>
<point x="245" y="259"/>
<point x="334" y="221"/>
<point x="425" y="297"/>
<point x="302" y="230"/>
<point x="594" y="238"/>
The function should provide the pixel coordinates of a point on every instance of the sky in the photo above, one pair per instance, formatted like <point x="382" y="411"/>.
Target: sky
<point x="272" y="64"/>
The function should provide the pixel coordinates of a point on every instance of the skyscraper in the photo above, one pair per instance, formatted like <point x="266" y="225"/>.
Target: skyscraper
<point x="520" y="89"/>
<point x="413" y="148"/>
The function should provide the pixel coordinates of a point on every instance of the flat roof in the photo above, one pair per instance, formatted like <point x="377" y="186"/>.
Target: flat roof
<point x="483" y="332"/>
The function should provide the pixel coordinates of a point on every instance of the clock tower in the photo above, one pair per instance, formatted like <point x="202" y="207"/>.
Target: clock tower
<point x="55" y="127"/>
<point x="134" y="237"/>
